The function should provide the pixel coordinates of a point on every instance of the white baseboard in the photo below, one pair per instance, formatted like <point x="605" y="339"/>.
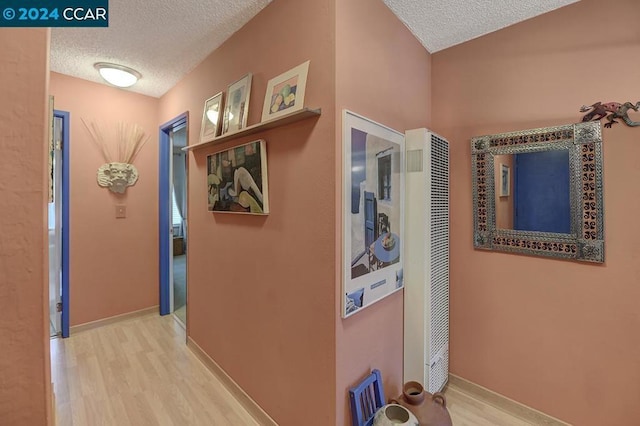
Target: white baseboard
<point x="110" y="320"/>
<point x="245" y="400"/>
<point x="503" y="403"/>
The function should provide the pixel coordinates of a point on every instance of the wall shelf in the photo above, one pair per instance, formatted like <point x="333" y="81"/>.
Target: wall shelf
<point x="259" y="127"/>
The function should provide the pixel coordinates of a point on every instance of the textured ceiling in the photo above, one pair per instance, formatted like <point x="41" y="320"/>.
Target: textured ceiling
<point x="162" y="39"/>
<point x="439" y="24"/>
<point x="165" y="39"/>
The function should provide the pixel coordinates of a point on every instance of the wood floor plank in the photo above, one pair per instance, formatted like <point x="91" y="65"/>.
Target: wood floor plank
<point x="138" y="372"/>
<point x="468" y="411"/>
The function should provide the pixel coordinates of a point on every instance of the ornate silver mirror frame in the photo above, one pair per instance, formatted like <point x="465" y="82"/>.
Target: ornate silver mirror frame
<point x="584" y="143"/>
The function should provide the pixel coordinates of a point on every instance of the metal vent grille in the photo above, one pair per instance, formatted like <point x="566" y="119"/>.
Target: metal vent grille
<point x="439" y="373"/>
<point x="439" y="242"/>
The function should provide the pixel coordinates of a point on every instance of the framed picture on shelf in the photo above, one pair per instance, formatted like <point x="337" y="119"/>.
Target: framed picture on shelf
<point x="373" y="212"/>
<point x="285" y="93"/>
<point x="237" y="105"/>
<point x="211" y="118"/>
<point x="237" y="179"/>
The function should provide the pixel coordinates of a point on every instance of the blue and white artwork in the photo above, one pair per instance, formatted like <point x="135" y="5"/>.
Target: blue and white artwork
<point x="373" y="220"/>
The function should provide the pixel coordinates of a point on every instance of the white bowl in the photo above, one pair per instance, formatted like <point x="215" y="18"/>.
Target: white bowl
<point x="394" y="415"/>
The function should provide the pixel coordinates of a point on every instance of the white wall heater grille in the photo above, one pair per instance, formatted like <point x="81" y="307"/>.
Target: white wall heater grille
<point x="426" y="312"/>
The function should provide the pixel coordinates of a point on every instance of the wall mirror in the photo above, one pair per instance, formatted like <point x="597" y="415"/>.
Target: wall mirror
<point x="539" y="192"/>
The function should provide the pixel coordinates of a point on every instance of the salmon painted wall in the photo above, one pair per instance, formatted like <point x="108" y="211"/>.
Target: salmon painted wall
<point x="382" y="73"/>
<point x="559" y="336"/>
<point x="113" y="262"/>
<point x="261" y="288"/>
<point x="25" y="381"/>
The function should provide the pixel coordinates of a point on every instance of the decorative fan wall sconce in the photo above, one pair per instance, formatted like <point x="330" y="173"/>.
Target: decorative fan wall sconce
<point x="118" y="172"/>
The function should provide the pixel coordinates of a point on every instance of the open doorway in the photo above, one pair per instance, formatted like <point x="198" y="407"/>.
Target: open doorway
<point x="173" y="218"/>
<point x="58" y="227"/>
<point x="178" y="222"/>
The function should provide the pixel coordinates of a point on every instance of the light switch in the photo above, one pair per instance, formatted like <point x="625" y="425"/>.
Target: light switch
<point x="121" y="211"/>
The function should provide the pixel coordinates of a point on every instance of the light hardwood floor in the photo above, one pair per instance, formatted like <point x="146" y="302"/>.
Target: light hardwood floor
<point x="137" y="372"/>
<point x="465" y="410"/>
<point x="140" y="372"/>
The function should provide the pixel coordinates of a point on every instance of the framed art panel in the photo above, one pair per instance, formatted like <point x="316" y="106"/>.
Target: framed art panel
<point x="285" y="93"/>
<point x="373" y="212"/>
<point x="211" y="118"/>
<point x="237" y="105"/>
<point x="237" y="179"/>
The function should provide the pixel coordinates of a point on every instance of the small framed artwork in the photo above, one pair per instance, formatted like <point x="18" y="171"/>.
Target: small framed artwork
<point x="237" y="105"/>
<point x="211" y="118"/>
<point x="373" y="212"/>
<point x="505" y="180"/>
<point x="237" y="179"/>
<point x="285" y="93"/>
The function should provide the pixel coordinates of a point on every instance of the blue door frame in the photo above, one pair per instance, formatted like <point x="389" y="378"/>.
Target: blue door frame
<point x="65" y="220"/>
<point x="164" y="206"/>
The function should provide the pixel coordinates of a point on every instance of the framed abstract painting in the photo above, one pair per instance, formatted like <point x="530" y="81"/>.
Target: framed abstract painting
<point x="237" y="179"/>
<point x="285" y="93"/>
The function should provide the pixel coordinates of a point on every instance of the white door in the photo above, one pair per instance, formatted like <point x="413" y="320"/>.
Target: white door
<point x="55" y="233"/>
<point x="177" y="268"/>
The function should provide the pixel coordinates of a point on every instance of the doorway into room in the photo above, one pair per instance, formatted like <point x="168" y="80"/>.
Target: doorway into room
<point x="58" y="226"/>
<point x="173" y="218"/>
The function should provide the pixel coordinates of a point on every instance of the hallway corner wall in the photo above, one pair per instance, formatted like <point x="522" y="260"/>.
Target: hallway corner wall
<point x="113" y="262"/>
<point x="25" y="378"/>
<point x="384" y="74"/>
<point x="556" y="335"/>
<point x="261" y="288"/>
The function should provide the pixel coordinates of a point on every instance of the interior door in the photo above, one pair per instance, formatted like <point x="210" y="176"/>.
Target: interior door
<point x="178" y="215"/>
<point x="170" y="230"/>
<point x="165" y="230"/>
<point x="370" y="214"/>
<point x="58" y="225"/>
<point x="55" y="233"/>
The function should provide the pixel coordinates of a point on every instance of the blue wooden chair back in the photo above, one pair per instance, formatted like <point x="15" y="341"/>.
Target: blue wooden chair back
<point x="366" y="398"/>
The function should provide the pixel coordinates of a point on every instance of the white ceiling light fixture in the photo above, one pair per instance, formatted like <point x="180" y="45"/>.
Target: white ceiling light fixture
<point x="117" y="75"/>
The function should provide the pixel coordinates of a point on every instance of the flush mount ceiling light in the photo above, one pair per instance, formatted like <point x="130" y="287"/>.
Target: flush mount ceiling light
<point x="118" y="75"/>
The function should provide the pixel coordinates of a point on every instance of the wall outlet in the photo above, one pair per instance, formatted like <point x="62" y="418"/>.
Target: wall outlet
<point x="121" y="211"/>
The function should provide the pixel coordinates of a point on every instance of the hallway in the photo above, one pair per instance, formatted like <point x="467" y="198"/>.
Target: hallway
<point x="137" y="372"/>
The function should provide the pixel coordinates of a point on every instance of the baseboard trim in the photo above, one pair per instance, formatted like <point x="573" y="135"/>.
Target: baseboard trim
<point x="503" y="403"/>
<point x="116" y="318"/>
<point x="245" y="400"/>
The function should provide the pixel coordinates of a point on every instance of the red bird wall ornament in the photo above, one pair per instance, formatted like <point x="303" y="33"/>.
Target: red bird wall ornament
<point x="611" y="111"/>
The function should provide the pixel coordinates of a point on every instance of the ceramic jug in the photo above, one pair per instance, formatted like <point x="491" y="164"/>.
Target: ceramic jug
<point x="430" y="410"/>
